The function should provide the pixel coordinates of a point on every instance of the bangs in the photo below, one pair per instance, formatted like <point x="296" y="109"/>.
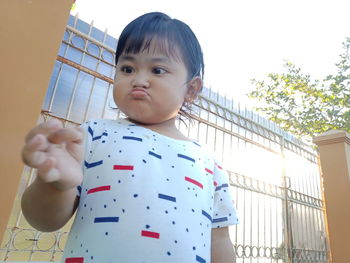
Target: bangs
<point x="153" y="44"/>
<point x="151" y="35"/>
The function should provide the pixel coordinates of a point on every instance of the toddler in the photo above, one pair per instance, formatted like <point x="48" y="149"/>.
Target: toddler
<point x="143" y="191"/>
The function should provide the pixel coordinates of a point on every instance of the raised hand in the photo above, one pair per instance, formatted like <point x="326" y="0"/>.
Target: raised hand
<point x="56" y="152"/>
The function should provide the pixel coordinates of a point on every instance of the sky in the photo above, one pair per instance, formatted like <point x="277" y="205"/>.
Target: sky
<point x="245" y="39"/>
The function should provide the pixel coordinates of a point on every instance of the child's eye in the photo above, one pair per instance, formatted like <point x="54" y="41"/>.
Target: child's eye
<point x="126" y="69"/>
<point x="158" y="71"/>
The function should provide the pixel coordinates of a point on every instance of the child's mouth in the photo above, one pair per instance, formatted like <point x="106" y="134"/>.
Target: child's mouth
<point x="138" y="93"/>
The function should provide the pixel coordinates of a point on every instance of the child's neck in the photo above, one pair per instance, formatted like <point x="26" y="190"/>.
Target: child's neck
<point x="167" y="128"/>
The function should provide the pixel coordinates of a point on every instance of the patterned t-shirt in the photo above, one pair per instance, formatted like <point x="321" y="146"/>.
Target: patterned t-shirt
<point x="146" y="198"/>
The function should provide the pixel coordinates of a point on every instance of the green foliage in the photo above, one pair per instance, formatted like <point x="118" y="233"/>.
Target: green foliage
<point x="303" y="106"/>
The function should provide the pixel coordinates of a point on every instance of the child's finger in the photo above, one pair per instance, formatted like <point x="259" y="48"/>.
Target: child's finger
<point x="37" y="143"/>
<point x="47" y="171"/>
<point x="66" y="135"/>
<point x="80" y="130"/>
<point x="44" y="128"/>
<point x="33" y="152"/>
<point x="81" y="133"/>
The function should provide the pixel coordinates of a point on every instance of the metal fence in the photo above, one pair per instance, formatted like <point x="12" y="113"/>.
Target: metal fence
<point x="275" y="179"/>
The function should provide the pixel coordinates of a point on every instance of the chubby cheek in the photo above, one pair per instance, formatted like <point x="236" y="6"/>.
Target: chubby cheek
<point x="114" y="88"/>
<point x="168" y="106"/>
<point x="117" y="92"/>
<point x="115" y="95"/>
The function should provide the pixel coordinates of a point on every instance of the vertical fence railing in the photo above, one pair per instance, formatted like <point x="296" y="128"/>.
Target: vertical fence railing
<point x="275" y="179"/>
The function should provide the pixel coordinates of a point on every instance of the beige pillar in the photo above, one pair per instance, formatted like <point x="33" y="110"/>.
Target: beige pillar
<point x="31" y="33"/>
<point x="334" y="148"/>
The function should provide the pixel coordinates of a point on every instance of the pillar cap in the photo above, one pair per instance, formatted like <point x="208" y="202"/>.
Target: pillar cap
<point x="331" y="137"/>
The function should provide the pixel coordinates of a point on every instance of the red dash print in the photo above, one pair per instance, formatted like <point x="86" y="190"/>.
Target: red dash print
<point x="123" y="167"/>
<point x="193" y="182"/>
<point x="218" y="166"/>
<point x="99" y="189"/>
<point x="209" y="171"/>
<point x="145" y="233"/>
<point x="74" y="260"/>
<point x="215" y="183"/>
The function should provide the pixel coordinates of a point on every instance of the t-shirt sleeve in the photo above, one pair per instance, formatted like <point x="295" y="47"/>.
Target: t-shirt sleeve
<point x="224" y="210"/>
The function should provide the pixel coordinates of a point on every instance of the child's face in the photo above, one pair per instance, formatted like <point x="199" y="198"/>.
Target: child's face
<point x="150" y="87"/>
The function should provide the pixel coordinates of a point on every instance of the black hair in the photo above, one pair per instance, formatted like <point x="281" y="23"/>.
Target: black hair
<point x="171" y="35"/>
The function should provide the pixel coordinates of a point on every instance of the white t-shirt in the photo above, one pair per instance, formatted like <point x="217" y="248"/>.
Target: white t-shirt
<point x="146" y="198"/>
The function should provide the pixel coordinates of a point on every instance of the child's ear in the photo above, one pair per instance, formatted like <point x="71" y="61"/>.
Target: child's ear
<point x="194" y="87"/>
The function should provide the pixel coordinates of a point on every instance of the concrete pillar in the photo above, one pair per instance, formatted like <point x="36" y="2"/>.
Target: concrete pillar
<point x="31" y="33"/>
<point x="334" y="148"/>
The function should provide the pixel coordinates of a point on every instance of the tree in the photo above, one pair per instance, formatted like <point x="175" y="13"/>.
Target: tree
<point x="303" y="106"/>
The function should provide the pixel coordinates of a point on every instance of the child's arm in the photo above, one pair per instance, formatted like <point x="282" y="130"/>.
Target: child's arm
<point x="221" y="247"/>
<point x="57" y="154"/>
<point x="46" y="208"/>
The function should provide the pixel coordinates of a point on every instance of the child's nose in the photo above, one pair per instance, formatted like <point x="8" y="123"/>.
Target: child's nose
<point x="141" y="80"/>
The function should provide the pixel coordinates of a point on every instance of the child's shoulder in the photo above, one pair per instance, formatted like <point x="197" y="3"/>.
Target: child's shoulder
<point x="206" y="149"/>
<point x="208" y="153"/>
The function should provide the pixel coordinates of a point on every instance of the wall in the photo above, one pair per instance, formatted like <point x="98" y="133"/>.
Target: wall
<point x="31" y="32"/>
<point x="334" y="147"/>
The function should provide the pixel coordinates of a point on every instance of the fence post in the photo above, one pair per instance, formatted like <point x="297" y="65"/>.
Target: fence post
<point x="334" y="148"/>
<point x="288" y="253"/>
